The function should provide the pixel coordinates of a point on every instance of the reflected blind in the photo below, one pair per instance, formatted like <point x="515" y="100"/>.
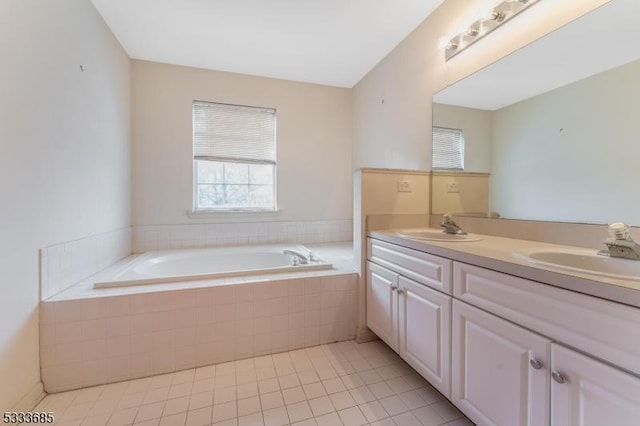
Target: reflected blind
<point x="448" y="149"/>
<point x="237" y="133"/>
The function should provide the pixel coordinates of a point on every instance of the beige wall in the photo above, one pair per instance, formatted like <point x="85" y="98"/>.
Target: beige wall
<point x="396" y="133"/>
<point x="392" y="103"/>
<point x="313" y="142"/>
<point x="376" y="196"/>
<point x="380" y="195"/>
<point x="571" y="154"/>
<point x="64" y="167"/>
<point x="472" y="197"/>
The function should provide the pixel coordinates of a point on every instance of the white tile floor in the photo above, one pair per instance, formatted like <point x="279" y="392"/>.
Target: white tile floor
<point x="331" y="385"/>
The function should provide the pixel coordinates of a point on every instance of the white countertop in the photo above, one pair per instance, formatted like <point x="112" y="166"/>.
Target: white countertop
<point x="496" y="253"/>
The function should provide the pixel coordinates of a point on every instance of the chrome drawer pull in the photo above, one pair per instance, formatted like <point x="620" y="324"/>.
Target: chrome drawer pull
<point x="558" y="377"/>
<point x="535" y="363"/>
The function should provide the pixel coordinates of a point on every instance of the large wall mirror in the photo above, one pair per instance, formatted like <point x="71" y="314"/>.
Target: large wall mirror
<point x="557" y="123"/>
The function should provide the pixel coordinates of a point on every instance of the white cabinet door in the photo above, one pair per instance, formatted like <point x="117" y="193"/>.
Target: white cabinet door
<point x="382" y="304"/>
<point x="586" y="392"/>
<point x="425" y="325"/>
<point x="500" y="371"/>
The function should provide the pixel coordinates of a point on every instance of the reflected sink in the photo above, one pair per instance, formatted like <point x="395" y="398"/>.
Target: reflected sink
<point x="584" y="261"/>
<point x="436" y="235"/>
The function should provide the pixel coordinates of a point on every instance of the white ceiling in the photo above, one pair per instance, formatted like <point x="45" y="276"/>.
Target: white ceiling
<point x="601" y="40"/>
<point x="333" y="42"/>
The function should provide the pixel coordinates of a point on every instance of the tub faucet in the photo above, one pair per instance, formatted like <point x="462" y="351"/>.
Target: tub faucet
<point x="449" y="226"/>
<point x="620" y="243"/>
<point x="298" y="258"/>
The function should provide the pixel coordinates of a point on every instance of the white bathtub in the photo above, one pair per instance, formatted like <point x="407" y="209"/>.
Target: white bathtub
<point x="197" y="264"/>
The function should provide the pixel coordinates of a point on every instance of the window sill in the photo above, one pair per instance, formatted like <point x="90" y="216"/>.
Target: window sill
<point x="195" y="214"/>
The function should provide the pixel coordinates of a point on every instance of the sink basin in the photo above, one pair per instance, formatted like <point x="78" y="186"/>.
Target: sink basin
<point x="583" y="261"/>
<point x="436" y="235"/>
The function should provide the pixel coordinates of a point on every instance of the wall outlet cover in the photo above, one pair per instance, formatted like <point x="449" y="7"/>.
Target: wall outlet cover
<point x="404" y="186"/>
<point x="453" y="187"/>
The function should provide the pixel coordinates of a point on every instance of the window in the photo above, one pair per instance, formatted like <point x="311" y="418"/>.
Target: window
<point x="234" y="157"/>
<point x="448" y="149"/>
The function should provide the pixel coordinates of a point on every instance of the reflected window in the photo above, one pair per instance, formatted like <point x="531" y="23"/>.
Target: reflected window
<point x="234" y="157"/>
<point x="448" y="149"/>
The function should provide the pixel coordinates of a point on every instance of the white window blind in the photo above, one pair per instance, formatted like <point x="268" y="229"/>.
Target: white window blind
<point x="234" y="133"/>
<point x="448" y="149"/>
<point x="234" y="157"/>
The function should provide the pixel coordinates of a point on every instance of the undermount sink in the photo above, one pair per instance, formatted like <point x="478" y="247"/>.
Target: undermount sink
<point x="584" y="261"/>
<point x="436" y="235"/>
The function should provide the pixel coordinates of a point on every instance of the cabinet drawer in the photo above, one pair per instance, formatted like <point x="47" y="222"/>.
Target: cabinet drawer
<point x="607" y="330"/>
<point x="424" y="268"/>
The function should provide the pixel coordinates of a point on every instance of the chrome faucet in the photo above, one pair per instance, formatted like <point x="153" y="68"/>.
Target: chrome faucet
<point x="449" y="226"/>
<point x="620" y="243"/>
<point x="298" y="258"/>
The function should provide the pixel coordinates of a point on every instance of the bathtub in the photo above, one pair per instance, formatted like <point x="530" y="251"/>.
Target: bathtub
<point x="194" y="321"/>
<point x="156" y="267"/>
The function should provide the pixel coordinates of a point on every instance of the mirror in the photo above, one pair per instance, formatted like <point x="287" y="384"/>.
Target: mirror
<point x="557" y="123"/>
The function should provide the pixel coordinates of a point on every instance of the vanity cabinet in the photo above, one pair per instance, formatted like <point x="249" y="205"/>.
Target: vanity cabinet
<point x="600" y="328"/>
<point x="591" y="392"/>
<point x="587" y="392"/>
<point x="411" y="317"/>
<point x="500" y="373"/>
<point x="506" y="350"/>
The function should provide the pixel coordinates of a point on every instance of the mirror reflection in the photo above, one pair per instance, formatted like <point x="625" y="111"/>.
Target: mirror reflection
<point x="551" y="132"/>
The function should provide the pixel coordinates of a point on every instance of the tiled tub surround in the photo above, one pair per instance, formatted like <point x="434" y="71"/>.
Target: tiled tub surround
<point x="339" y="255"/>
<point x="165" y="237"/>
<point x="63" y="265"/>
<point x="110" y="335"/>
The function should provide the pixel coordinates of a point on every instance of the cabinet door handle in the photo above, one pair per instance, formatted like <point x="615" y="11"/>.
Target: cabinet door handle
<point x="535" y="363"/>
<point x="394" y="288"/>
<point x="399" y="290"/>
<point x="558" y="377"/>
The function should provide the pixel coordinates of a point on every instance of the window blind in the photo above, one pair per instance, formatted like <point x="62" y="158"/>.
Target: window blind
<point x="234" y="133"/>
<point x="448" y="149"/>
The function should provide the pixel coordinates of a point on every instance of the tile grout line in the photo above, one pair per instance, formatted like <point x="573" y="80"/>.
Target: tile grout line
<point x="334" y="361"/>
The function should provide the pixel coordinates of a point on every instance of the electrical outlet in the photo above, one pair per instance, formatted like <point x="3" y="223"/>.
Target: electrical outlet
<point x="453" y="187"/>
<point x="404" y="186"/>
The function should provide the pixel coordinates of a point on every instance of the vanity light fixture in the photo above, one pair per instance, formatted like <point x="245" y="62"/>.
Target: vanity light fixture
<point x="483" y="26"/>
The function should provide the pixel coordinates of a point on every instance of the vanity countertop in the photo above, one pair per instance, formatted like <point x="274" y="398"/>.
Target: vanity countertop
<point x="496" y="253"/>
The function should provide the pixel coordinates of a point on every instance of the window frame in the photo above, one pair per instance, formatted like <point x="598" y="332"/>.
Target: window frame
<point x="195" y="183"/>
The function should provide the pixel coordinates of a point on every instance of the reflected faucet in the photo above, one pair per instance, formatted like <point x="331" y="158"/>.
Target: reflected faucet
<point x="449" y="226"/>
<point x="620" y="243"/>
<point x="298" y="258"/>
